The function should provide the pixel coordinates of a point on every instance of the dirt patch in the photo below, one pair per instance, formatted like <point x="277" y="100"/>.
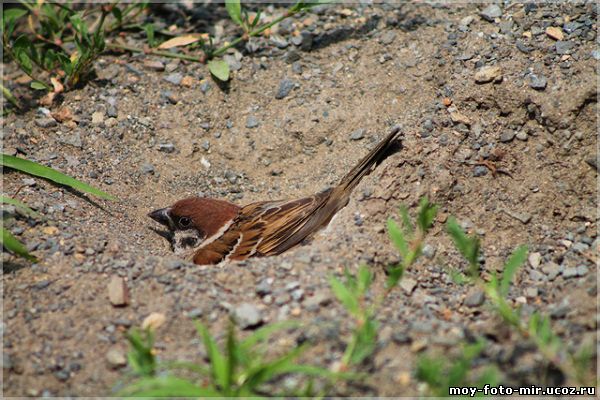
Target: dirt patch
<point x="150" y="141"/>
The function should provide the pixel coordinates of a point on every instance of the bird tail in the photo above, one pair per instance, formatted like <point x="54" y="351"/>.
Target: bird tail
<point x="364" y="167"/>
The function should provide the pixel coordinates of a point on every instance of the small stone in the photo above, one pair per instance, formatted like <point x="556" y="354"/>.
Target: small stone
<point x="247" y="315"/>
<point x="551" y="270"/>
<point x="279" y="41"/>
<point x="172" y="66"/>
<point x="595" y="54"/>
<point x="488" y="74"/>
<point x="116" y="358"/>
<point x="204" y="87"/>
<point x="474" y="298"/>
<point x="234" y="63"/>
<point x="175" y="78"/>
<point x="521" y="135"/>
<point x="564" y="47"/>
<point x="297" y="40"/>
<point x="357" y="134"/>
<point x="28" y="181"/>
<point x="147" y="168"/>
<point x="45" y="122"/>
<point x="388" y="37"/>
<point x="166" y="147"/>
<point x="582" y="270"/>
<point x="154" y="65"/>
<point x="251" y="122"/>
<point x="531" y="292"/>
<point x="285" y="87"/>
<point x="154" y="321"/>
<point x="491" y="12"/>
<point x="188" y="81"/>
<point x="112" y="112"/>
<point x="408" y="285"/>
<point x="320" y="298"/>
<point x="555" y="33"/>
<point x="480" y="170"/>
<point x="570" y="273"/>
<point x="507" y="136"/>
<point x="263" y="288"/>
<point x="466" y="21"/>
<point x="98" y="118"/>
<point x="459" y="118"/>
<point x="118" y="294"/>
<point x="537" y="82"/>
<point x="534" y="260"/>
<point x="195" y="313"/>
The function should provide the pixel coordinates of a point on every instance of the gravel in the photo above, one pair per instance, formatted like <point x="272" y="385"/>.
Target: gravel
<point x="537" y="82"/>
<point x="285" y="87"/>
<point x="474" y="298"/>
<point x="247" y="316"/>
<point x="251" y="122"/>
<point x="358" y="134"/>
<point x="491" y="12"/>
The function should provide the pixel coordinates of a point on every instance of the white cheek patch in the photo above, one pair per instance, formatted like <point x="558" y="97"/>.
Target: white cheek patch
<point x="186" y="241"/>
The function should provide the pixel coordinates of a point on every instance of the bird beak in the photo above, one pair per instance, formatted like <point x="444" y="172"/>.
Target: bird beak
<point x="161" y="216"/>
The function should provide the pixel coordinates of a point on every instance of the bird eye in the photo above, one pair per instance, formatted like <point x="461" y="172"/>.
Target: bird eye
<point x="184" y="222"/>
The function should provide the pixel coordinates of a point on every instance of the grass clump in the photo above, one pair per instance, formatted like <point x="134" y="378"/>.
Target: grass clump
<point x="238" y="368"/>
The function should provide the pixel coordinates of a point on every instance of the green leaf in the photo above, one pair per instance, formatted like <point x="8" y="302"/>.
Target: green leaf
<point x="116" y="11"/>
<point x="467" y="246"/>
<point x="517" y="259"/>
<point x="140" y="357"/>
<point x="364" y="280"/>
<point x="19" y="204"/>
<point x="218" y="364"/>
<point x="256" y="19"/>
<point x="220" y="69"/>
<point x="347" y="298"/>
<point x="10" y="243"/>
<point x="234" y="9"/>
<point x="36" y="169"/>
<point x="12" y="14"/>
<point x="37" y="85"/>
<point x="167" y="386"/>
<point x="9" y="96"/>
<point x="149" y="29"/>
<point x="397" y="237"/>
<point x="394" y="276"/>
<point x="407" y="226"/>
<point x="427" y="213"/>
<point x="21" y="47"/>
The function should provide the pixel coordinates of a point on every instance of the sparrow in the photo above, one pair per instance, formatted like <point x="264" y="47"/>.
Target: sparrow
<point x="209" y="231"/>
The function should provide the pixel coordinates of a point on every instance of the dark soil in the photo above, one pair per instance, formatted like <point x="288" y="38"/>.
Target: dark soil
<point x="512" y="157"/>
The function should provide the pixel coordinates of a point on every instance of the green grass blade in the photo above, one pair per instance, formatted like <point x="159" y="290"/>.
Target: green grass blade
<point x="347" y="298"/>
<point x="167" y="386"/>
<point x="33" y="168"/>
<point x="517" y="259"/>
<point x="407" y="226"/>
<point x="265" y="332"/>
<point x="218" y="364"/>
<point x="397" y="237"/>
<point x="19" y="204"/>
<point x="427" y="213"/>
<point x="14" y="246"/>
<point x="10" y="97"/>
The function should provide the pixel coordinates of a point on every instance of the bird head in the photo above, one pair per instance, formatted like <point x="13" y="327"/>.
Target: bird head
<point x="194" y="221"/>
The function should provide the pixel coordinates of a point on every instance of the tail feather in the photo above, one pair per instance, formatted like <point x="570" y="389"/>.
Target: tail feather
<point x="365" y="165"/>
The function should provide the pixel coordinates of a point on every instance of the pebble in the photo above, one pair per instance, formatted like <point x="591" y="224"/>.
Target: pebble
<point x="285" y="87"/>
<point x="534" y="260"/>
<point x="147" y="168"/>
<point x="408" y="285"/>
<point x="174" y="78"/>
<point x="521" y="135"/>
<point x="491" y="12"/>
<point x="116" y="358"/>
<point x="507" y="136"/>
<point x="154" y="65"/>
<point x="537" y="82"/>
<point x="204" y="87"/>
<point x="263" y="288"/>
<point x="564" y="47"/>
<point x="98" y="118"/>
<point x="357" y="134"/>
<point x="166" y="147"/>
<point x="118" y="294"/>
<point x="251" y="122"/>
<point x="297" y="40"/>
<point x="195" y="313"/>
<point x="551" y="270"/>
<point x="570" y="272"/>
<point x="234" y="63"/>
<point x="555" y="33"/>
<point x="45" y="122"/>
<point x="595" y="54"/>
<point x="474" y="298"/>
<point x="388" y="37"/>
<point x="488" y="74"/>
<point x="247" y="315"/>
<point x="279" y="41"/>
<point x="480" y="170"/>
